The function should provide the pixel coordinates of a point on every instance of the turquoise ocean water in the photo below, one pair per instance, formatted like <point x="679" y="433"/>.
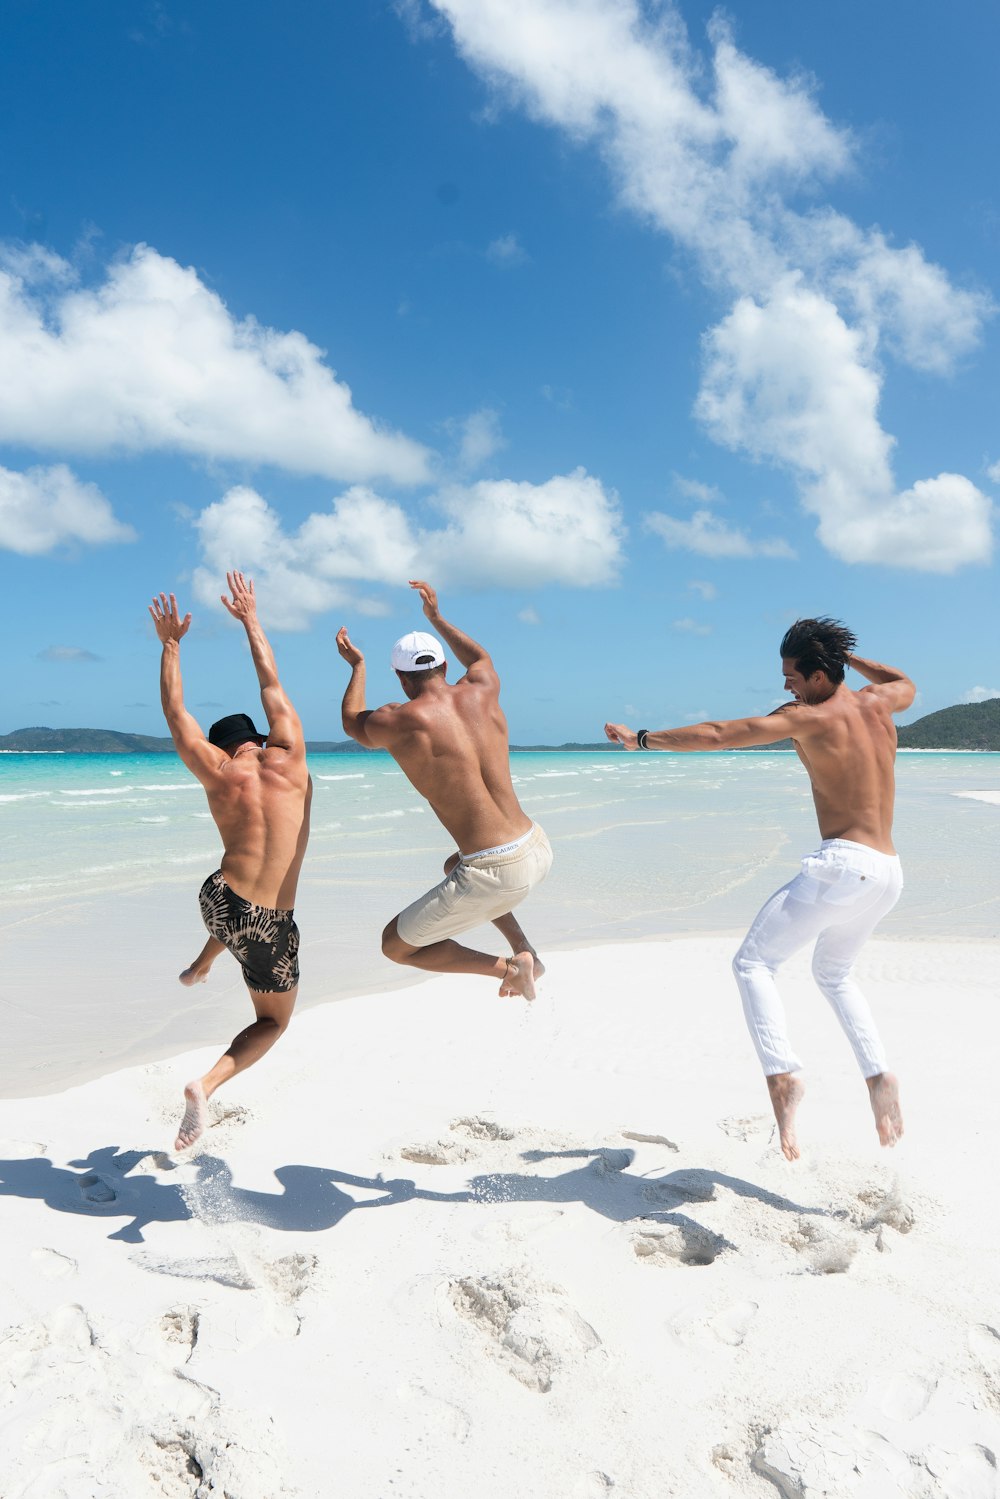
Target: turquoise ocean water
<point x="103" y="856"/>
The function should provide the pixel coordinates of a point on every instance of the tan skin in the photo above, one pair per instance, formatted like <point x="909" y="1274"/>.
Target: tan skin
<point x="847" y="742"/>
<point x="450" y="740"/>
<point x="259" y="794"/>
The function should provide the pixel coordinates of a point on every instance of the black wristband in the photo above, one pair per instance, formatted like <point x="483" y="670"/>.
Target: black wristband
<point x="640" y="739"/>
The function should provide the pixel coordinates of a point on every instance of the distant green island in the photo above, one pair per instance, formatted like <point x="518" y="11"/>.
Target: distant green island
<point x="967" y="726"/>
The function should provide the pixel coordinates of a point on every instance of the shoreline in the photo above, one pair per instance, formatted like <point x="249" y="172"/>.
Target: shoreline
<point x="227" y="1008"/>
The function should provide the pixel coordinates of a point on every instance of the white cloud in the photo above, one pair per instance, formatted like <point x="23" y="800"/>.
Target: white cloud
<point x="152" y="359"/>
<point x="43" y="508"/>
<point x="479" y="438"/>
<point x="709" y="536"/>
<point x="74" y="653"/>
<point x="704" y="589"/>
<point x="529" y="616"/>
<point x="689" y="626"/>
<point x="980" y="694"/>
<point x="717" y="158"/>
<point x="993" y="472"/>
<point x="496" y="533"/>
<point x="786" y="381"/>
<point x="506" y="251"/>
<point x="693" y="489"/>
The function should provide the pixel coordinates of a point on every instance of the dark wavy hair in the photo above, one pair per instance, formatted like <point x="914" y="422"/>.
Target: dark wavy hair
<point x="819" y="645"/>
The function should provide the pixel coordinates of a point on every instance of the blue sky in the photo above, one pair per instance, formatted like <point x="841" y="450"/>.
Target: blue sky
<point x="638" y="329"/>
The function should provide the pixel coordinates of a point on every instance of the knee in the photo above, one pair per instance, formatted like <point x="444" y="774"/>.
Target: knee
<point x="827" y="974"/>
<point x="393" y="946"/>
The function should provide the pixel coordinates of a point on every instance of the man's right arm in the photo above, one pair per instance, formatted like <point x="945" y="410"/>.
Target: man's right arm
<point x="189" y="739"/>
<point x="474" y="657"/>
<point x="893" y="686"/>
<point x="360" y="723"/>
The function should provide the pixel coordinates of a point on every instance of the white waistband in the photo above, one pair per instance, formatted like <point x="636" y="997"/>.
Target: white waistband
<point x="864" y="848"/>
<point x="501" y="848"/>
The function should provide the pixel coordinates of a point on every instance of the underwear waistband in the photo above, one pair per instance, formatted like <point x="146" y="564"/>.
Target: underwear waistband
<point x="502" y="848"/>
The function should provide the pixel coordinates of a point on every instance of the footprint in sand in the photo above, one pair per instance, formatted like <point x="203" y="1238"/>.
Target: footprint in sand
<point x="827" y="1251"/>
<point x="984" y="1345"/>
<point x="98" y="1190"/>
<point x="729" y="1325"/>
<point x="179" y="1329"/>
<point x="52" y="1264"/>
<point x="439" y="1153"/>
<point x="529" y="1329"/>
<point x="904" y="1397"/>
<point x="286" y="1278"/>
<point x="681" y="1186"/>
<point x="685" y="1243"/>
<point x="478" y="1128"/>
<point x="885" y="1206"/>
<point x="21" y="1150"/>
<point x="747" y="1128"/>
<point x="436" y="1414"/>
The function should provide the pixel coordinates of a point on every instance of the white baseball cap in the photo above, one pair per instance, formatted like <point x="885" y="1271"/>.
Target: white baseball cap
<point x="417" y="652"/>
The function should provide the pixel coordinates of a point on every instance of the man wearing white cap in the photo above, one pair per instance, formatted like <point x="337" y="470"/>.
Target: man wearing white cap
<point x="450" y="739"/>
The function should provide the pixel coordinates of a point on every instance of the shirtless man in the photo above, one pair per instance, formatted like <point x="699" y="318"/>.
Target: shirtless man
<point x="259" y="792"/>
<point x="450" y="740"/>
<point x="847" y="742"/>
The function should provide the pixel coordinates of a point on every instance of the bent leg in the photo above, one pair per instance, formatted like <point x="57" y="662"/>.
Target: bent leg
<point x="274" y="1011"/>
<point x="198" y="971"/>
<point x="516" y="974"/>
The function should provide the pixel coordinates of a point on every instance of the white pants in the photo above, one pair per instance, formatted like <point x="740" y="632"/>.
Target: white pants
<point x="841" y="895"/>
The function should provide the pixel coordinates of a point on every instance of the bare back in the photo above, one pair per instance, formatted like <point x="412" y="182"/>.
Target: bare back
<point x="260" y="800"/>
<point x="848" y="746"/>
<point x="451" y="743"/>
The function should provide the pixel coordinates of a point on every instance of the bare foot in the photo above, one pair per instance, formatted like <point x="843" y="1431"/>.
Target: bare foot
<point x="520" y="976"/>
<point x="195" y="1116"/>
<point x="884" y="1091"/>
<point x="786" y="1094"/>
<point x="193" y="975"/>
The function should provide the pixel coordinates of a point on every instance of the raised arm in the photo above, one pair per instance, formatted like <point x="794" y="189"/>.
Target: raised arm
<point x="354" y="715"/>
<point x="892" y="685"/>
<point x="733" y="733"/>
<point x="283" y="721"/>
<point x="475" y="658"/>
<point x="188" y="736"/>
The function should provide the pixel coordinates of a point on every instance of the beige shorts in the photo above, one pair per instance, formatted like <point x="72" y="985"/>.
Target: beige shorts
<point x="479" y="889"/>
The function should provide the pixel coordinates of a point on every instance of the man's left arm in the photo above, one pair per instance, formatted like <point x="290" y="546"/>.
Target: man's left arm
<point x="891" y="684"/>
<point x="283" y="721"/>
<point x="473" y="656"/>
<point x="733" y="733"/>
<point x="360" y="723"/>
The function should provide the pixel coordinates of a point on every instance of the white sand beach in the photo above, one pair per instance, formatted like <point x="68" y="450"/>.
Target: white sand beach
<point x="440" y="1245"/>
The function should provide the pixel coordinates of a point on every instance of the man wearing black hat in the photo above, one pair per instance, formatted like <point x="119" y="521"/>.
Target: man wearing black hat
<point x="259" y="792"/>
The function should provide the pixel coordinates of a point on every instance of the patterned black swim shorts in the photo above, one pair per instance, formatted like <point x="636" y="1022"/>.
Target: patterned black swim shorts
<point x="264" y="942"/>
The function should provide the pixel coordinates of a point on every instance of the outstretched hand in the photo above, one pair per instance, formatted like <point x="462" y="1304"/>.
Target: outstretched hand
<point x="619" y="734"/>
<point x="428" y="595"/>
<point x="244" y="605"/>
<point x="350" y="652"/>
<point x="169" y="625"/>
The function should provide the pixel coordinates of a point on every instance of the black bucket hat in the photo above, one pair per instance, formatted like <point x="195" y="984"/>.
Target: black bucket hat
<point x="232" y="729"/>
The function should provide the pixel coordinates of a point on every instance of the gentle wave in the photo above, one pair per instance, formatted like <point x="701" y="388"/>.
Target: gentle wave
<point x="354" y="775"/>
<point x="23" y="796"/>
<point x="101" y="791"/>
<point x="371" y="816"/>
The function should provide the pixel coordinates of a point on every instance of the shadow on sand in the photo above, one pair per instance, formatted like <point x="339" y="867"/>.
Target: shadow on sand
<point x="113" y="1183"/>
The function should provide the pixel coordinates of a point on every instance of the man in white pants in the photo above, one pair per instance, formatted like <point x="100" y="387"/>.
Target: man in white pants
<point x="847" y="742"/>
